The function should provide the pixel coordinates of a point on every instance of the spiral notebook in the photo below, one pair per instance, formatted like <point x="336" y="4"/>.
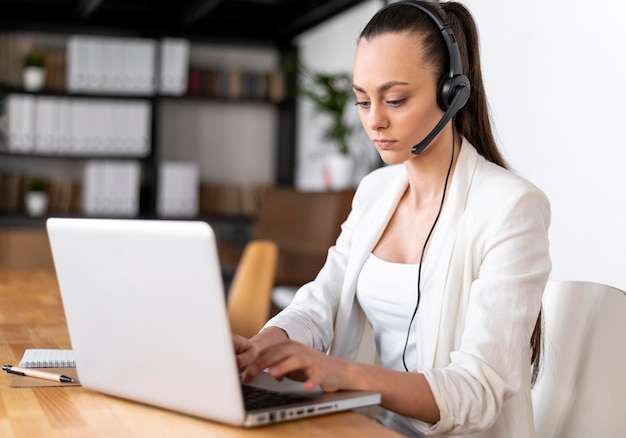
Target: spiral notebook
<point x="48" y="358"/>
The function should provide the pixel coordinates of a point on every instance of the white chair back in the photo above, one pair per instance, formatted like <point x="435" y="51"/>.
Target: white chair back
<point x="581" y="391"/>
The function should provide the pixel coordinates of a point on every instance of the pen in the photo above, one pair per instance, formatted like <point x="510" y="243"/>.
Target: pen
<point x="29" y="372"/>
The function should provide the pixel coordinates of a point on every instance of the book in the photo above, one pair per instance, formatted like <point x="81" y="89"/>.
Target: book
<point x="47" y="358"/>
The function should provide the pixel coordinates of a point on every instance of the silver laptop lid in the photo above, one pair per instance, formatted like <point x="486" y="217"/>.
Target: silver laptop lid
<point x="140" y="297"/>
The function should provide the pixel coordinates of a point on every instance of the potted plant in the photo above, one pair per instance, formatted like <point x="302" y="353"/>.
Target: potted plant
<point x="34" y="74"/>
<point x="330" y="95"/>
<point x="36" y="200"/>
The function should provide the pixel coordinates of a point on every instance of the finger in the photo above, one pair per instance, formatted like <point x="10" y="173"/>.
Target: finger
<point x="311" y="384"/>
<point x="276" y="353"/>
<point x="250" y="373"/>
<point x="299" y="366"/>
<point x="244" y="359"/>
<point x="267" y="359"/>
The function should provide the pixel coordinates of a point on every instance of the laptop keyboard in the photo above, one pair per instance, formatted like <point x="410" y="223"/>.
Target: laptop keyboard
<point x="259" y="398"/>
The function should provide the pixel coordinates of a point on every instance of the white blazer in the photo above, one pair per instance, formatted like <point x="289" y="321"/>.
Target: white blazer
<point x="482" y="283"/>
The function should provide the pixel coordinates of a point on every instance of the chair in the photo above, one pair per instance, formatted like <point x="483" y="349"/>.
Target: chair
<point x="581" y="390"/>
<point x="304" y="224"/>
<point x="249" y="293"/>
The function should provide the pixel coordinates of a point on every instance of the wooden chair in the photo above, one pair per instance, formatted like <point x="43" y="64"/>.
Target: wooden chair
<point x="249" y="294"/>
<point x="581" y="389"/>
<point x="304" y="224"/>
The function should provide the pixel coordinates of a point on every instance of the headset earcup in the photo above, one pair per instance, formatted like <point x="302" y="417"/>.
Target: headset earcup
<point x="449" y="87"/>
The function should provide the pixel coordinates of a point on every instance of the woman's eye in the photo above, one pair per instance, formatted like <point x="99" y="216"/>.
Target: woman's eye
<point x="395" y="102"/>
<point x="362" y="104"/>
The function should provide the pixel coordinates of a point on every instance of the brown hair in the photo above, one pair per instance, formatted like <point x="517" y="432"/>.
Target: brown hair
<point x="473" y="120"/>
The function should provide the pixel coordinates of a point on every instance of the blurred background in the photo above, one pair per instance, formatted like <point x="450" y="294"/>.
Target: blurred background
<point x="220" y="116"/>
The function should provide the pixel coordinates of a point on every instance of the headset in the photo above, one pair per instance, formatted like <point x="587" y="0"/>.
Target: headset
<point x="454" y="87"/>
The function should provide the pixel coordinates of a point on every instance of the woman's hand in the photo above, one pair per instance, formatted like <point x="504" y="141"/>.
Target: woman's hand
<point x="299" y="362"/>
<point x="245" y="351"/>
<point x="405" y="393"/>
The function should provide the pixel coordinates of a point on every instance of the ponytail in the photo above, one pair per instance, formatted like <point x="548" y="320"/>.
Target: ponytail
<point x="474" y="123"/>
<point x="473" y="120"/>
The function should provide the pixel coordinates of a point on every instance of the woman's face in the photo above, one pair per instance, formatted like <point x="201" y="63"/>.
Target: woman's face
<point x="396" y="94"/>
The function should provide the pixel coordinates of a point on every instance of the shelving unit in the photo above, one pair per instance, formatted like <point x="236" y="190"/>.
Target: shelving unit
<point x="36" y="161"/>
<point x="150" y="162"/>
<point x="230" y="23"/>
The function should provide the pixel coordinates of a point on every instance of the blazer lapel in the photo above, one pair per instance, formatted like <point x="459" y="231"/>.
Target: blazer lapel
<point x="364" y="237"/>
<point x="437" y="263"/>
<point x="374" y="223"/>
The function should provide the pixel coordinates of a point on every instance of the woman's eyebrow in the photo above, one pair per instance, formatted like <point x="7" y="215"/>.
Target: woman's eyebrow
<point x="381" y="89"/>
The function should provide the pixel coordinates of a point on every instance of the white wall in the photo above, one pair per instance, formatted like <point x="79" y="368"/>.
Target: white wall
<point x="553" y="74"/>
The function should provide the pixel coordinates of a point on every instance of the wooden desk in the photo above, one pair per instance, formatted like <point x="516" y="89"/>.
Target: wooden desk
<point x="31" y="316"/>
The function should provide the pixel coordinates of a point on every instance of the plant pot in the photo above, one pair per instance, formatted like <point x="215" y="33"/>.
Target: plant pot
<point x="338" y="171"/>
<point x="34" y="78"/>
<point x="36" y="203"/>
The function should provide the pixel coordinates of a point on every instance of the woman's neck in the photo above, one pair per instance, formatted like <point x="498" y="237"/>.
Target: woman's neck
<point x="427" y="172"/>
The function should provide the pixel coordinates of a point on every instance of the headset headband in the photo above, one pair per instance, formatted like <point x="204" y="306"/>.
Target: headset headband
<point x="456" y="66"/>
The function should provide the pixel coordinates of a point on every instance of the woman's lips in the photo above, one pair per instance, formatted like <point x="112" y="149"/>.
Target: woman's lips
<point x="384" y="144"/>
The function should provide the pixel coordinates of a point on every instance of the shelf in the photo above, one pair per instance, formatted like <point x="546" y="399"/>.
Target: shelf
<point x="235" y="231"/>
<point x="70" y="156"/>
<point x="220" y="100"/>
<point x="7" y="89"/>
<point x="270" y="85"/>
<point x="21" y="221"/>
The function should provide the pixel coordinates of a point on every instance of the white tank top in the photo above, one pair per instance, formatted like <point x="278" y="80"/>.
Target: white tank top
<point x="387" y="292"/>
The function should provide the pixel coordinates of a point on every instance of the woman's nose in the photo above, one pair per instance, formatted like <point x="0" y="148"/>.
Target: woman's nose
<point x="376" y="118"/>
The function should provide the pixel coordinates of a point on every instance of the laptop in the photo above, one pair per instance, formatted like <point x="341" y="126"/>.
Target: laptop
<point x="146" y="313"/>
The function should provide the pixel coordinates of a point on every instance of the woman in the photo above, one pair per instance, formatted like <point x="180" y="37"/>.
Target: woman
<point x="439" y="268"/>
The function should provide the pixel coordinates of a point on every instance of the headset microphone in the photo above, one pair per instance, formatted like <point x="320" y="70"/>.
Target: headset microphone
<point x="458" y="101"/>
